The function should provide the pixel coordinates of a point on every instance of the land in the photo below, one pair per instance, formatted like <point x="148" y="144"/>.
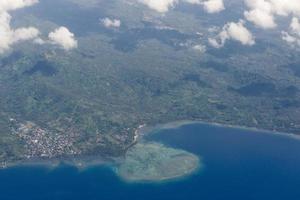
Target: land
<point x="90" y="101"/>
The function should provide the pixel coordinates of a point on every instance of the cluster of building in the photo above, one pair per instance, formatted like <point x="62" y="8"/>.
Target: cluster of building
<point x="42" y="143"/>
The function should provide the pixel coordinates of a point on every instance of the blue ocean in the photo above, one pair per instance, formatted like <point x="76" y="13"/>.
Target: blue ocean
<point x="239" y="165"/>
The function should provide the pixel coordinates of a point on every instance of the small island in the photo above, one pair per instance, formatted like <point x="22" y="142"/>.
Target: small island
<point x="154" y="162"/>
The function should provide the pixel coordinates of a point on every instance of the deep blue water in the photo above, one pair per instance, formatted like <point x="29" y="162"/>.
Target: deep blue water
<point x="239" y="165"/>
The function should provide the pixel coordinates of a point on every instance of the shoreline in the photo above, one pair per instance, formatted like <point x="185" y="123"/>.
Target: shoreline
<point x="153" y="129"/>
<point x="82" y="162"/>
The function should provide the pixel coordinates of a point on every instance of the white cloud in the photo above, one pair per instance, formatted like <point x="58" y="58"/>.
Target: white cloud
<point x="288" y="38"/>
<point x="200" y="48"/>
<point x="213" y="6"/>
<point x="9" y="36"/>
<point x="292" y="37"/>
<point x="39" y="41"/>
<point x="8" y="5"/>
<point x="234" y="31"/>
<point x="162" y="6"/>
<point x="22" y="34"/>
<point x="260" y="18"/>
<point x="295" y="26"/>
<point x="111" y="23"/>
<point x="263" y="12"/>
<point x="193" y="1"/>
<point x="64" y="38"/>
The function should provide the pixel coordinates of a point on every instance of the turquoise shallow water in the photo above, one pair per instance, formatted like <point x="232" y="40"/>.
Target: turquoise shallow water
<point x="239" y="164"/>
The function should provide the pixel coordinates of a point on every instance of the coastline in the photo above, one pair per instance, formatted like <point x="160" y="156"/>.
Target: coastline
<point x="80" y="163"/>
<point x="152" y="129"/>
<point x="84" y="162"/>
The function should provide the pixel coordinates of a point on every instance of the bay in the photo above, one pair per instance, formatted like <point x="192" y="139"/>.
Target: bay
<point x="238" y="164"/>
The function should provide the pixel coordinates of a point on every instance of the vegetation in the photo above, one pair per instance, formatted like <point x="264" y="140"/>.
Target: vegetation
<point x="101" y="92"/>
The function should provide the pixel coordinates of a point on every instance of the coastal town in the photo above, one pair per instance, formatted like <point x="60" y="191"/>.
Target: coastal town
<point x="37" y="143"/>
<point x="45" y="144"/>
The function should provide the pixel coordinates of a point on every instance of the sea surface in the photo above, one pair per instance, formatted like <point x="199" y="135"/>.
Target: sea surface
<point x="239" y="165"/>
